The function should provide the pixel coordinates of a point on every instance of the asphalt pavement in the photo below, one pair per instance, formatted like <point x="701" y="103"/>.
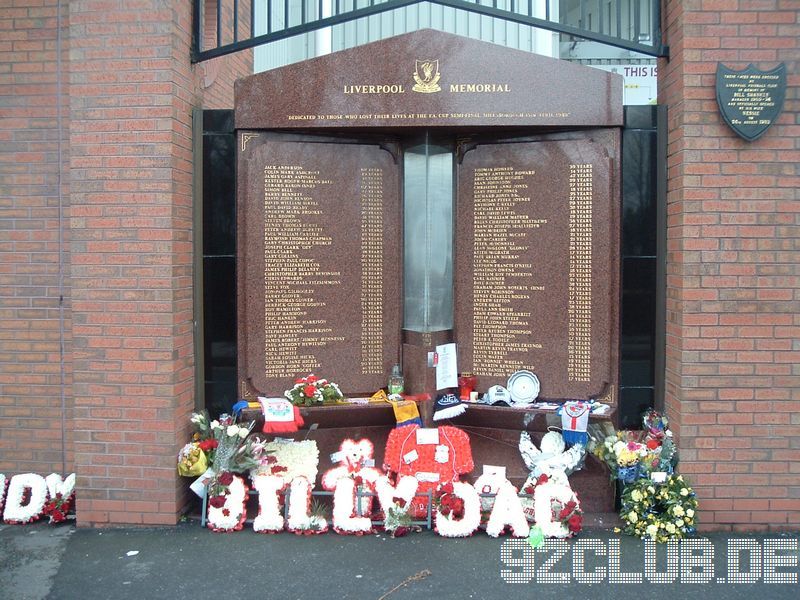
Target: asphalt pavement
<point x="39" y="561"/>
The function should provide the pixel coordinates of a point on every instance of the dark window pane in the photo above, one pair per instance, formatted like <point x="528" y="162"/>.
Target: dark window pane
<point x="220" y="397"/>
<point x="638" y="192"/>
<point x="637" y="338"/>
<point x="219" y="195"/>
<point x="218" y="121"/>
<point x="219" y="307"/>
<point x="633" y="402"/>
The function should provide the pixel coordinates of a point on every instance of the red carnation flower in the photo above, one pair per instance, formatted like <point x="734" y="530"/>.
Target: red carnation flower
<point x="575" y="523"/>
<point x="564" y="514"/>
<point x="458" y="506"/>
<point x="447" y="488"/>
<point x="309" y="390"/>
<point x="571" y="505"/>
<point x="217" y="501"/>
<point x="207" y="445"/>
<point x="653" y="444"/>
<point x="542" y="479"/>
<point x="528" y="489"/>
<point x="225" y="478"/>
<point x="226" y="512"/>
<point x="57" y="516"/>
<point x="311" y="378"/>
<point x="444" y="509"/>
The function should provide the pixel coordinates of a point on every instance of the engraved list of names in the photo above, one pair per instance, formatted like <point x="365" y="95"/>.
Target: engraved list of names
<point x="292" y="325"/>
<point x="536" y="267"/>
<point x="502" y="279"/>
<point x="317" y="264"/>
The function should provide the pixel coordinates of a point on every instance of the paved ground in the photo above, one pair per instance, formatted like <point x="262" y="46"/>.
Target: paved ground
<point x="42" y="562"/>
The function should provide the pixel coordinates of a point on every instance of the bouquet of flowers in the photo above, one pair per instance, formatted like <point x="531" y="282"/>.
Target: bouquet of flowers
<point x="659" y="512"/>
<point x="622" y="453"/>
<point x="569" y="514"/>
<point x="397" y="521"/>
<point x="311" y="390"/>
<point x="633" y="454"/>
<point x="58" y="507"/>
<point x="447" y="502"/>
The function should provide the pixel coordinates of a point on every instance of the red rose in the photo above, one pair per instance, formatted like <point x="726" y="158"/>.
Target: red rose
<point x="217" y="501"/>
<point x="458" y="506"/>
<point x="447" y="488"/>
<point x="564" y="514"/>
<point x="309" y="390"/>
<point x="528" y="489"/>
<point x="57" y="516"/>
<point x="207" y="445"/>
<point x="571" y="505"/>
<point x="225" y="478"/>
<point x="311" y="378"/>
<point x="542" y="479"/>
<point x="575" y="523"/>
<point x="444" y="509"/>
<point x="653" y="444"/>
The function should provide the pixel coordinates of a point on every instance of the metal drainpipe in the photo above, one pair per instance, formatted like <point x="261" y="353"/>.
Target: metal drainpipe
<point x="61" y="328"/>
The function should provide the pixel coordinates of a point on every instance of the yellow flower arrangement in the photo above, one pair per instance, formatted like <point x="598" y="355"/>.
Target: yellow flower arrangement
<point x="659" y="512"/>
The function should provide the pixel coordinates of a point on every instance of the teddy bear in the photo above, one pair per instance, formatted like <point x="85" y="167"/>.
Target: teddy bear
<point x="355" y="460"/>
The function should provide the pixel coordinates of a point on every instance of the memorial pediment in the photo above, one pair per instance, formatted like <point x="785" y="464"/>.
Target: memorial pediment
<point x="429" y="79"/>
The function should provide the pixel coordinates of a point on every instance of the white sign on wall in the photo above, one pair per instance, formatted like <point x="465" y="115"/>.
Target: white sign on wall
<point x="640" y="82"/>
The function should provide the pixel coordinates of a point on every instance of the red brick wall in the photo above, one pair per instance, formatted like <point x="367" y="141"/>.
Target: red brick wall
<point x="126" y="210"/>
<point x="33" y="273"/>
<point x="216" y="76"/>
<point x="733" y="267"/>
<point x="133" y="91"/>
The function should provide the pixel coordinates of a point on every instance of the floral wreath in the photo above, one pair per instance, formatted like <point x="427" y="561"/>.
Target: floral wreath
<point x="61" y="497"/>
<point x="659" y="512"/>
<point x="507" y="514"/>
<point x="458" y="509"/>
<point x="228" y="496"/>
<point x="26" y="496"/>
<point x="311" y="390"/>
<point x="3" y="488"/>
<point x="395" y="500"/>
<point x="447" y="503"/>
<point x="305" y="517"/>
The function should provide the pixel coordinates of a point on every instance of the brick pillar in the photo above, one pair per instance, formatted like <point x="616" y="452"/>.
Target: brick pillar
<point x="733" y="267"/>
<point x="35" y="391"/>
<point x="132" y="94"/>
<point x="131" y="259"/>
